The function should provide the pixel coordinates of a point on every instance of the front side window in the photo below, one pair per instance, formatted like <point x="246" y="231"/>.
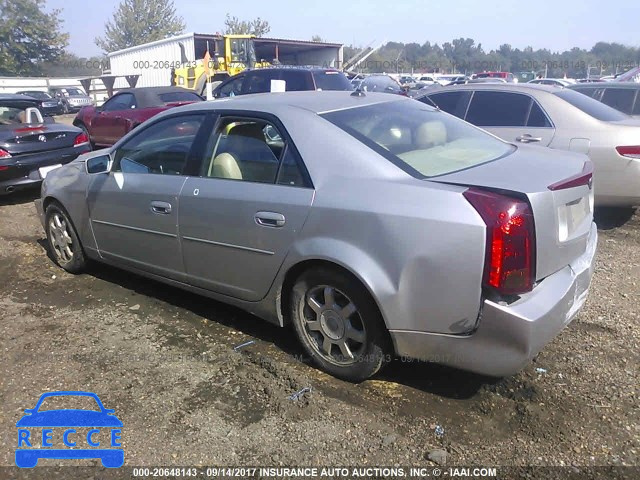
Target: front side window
<point x="232" y="88"/>
<point x="251" y="150"/>
<point x="161" y="148"/>
<point x="498" y="109"/>
<point x="174" y="97"/>
<point x="422" y="141"/>
<point x="123" y="101"/>
<point x="620" y="99"/>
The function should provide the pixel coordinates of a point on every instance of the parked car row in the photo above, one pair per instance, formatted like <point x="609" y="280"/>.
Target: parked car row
<point x="560" y="119"/>
<point x="372" y="224"/>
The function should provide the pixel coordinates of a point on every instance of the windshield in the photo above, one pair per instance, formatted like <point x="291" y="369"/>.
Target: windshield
<point x="71" y="91"/>
<point x="331" y="80"/>
<point x="591" y="107"/>
<point x="422" y="141"/>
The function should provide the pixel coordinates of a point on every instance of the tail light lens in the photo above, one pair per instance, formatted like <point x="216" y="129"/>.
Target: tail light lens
<point x="4" y="154"/>
<point x="510" y="255"/>
<point x="631" y="152"/>
<point x="81" y="139"/>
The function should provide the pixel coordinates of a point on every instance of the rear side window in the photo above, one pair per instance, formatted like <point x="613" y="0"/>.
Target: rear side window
<point x="498" y="109"/>
<point x="331" y="80"/>
<point x="296" y="80"/>
<point x="537" y="117"/>
<point x="591" y="92"/>
<point x="454" y="103"/>
<point x="619" y="98"/>
<point x="180" y="97"/>
<point x="259" y="81"/>
<point x="636" y="108"/>
<point x="591" y="107"/>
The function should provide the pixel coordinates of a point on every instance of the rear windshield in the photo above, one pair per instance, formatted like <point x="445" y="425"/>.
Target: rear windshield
<point x="172" y="97"/>
<point x="331" y="80"/>
<point x="422" y="141"/>
<point x="591" y="107"/>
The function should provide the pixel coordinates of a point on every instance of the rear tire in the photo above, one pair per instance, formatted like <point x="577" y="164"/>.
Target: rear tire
<point x="63" y="241"/>
<point x="338" y="324"/>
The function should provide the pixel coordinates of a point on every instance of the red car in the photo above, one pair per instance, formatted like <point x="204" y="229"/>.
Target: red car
<point x="127" y="109"/>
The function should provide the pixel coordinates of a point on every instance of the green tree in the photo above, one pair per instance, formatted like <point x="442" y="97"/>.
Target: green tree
<point x="140" y="21"/>
<point x="29" y="37"/>
<point x="317" y="38"/>
<point x="257" y="27"/>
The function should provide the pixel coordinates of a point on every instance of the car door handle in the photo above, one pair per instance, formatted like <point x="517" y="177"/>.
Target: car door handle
<point x="526" y="138"/>
<point x="161" y="208"/>
<point x="269" y="219"/>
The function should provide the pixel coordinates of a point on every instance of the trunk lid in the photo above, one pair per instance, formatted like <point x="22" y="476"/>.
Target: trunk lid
<point x="556" y="184"/>
<point x="20" y="139"/>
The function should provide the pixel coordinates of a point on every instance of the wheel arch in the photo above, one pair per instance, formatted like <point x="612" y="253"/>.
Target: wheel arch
<point x="298" y="268"/>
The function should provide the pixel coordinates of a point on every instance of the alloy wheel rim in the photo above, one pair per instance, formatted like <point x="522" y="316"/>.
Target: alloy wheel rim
<point x="60" y="239"/>
<point x="333" y="325"/>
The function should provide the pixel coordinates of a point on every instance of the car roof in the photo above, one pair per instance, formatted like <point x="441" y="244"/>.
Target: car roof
<point x="150" y="96"/>
<point x="312" y="101"/>
<point x="14" y="96"/>
<point x="508" y="87"/>
<point x="306" y="68"/>
<point x="630" y="85"/>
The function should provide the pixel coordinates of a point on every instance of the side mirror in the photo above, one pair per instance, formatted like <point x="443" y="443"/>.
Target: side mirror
<point x="101" y="164"/>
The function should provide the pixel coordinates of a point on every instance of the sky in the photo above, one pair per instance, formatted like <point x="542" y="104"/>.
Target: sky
<point x="555" y="25"/>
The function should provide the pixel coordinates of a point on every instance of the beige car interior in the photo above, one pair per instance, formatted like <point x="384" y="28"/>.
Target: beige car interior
<point x="243" y="154"/>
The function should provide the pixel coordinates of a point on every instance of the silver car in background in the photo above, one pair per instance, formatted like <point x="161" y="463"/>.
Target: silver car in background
<point x="558" y="118"/>
<point x="371" y="223"/>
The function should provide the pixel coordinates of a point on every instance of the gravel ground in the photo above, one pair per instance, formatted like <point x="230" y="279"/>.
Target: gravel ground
<point x="164" y="360"/>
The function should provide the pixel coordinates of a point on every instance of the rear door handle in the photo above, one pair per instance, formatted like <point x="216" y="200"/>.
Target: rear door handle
<point x="526" y="138"/>
<point x="269" y="219"/>
<point x="161" y="208"/>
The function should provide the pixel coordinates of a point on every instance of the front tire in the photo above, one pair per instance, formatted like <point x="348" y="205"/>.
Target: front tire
<point x="338" y="324"/>
<point x="63" y="241"/>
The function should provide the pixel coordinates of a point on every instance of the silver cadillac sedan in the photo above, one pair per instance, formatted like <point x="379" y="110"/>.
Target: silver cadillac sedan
<point x="373" y="224"/>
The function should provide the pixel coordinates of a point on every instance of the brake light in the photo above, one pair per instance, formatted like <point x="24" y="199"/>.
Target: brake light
<point x="631" y="152"/>
<point x="4" y="154"/>
<point x="510" y="251"/>
<point x="583" y="178"/>
<point x="81" y="139"/>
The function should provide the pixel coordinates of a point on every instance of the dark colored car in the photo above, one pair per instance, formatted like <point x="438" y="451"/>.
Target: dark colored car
<point x="383" y="84"/>
<point x="623" y="96"/>
<point x="72" y="98"/>
<point x="295" y="78"/>
<point x="127" y="109"/>
<point x="31" y="147"/>
<point x="48" y="104"/>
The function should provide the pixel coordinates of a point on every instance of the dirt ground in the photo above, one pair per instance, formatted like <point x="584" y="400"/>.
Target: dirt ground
<point x="164" y="360"/>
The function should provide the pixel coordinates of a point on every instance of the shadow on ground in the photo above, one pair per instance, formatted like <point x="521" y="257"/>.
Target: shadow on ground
<point x="608" y="218"/>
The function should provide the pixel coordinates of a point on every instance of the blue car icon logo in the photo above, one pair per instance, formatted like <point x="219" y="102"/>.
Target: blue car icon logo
<point x="54" y="434"/>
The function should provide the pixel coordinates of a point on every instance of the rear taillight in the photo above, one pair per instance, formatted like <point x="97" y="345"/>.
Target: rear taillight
<point x="631" y="151"/>
<point x="510" y="251"/>
<point x="81" y="139"/>
<point x="4" y="154"/>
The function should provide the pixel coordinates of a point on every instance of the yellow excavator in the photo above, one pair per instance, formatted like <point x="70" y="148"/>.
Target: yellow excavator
<point x="231" y="55"/>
